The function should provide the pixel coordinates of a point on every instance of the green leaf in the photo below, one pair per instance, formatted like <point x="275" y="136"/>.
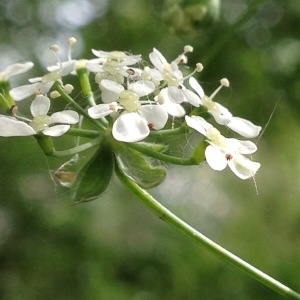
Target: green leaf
<point x="145" y="171"/>
<point x="93" y="179"/>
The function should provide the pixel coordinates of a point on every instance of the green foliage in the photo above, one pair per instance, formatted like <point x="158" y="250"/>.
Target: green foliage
<point x="94" y="177"/>
<point x="114" y="248"/>
<point x="147" y="172"/>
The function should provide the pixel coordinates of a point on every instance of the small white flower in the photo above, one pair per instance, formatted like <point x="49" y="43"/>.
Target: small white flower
<point x="221" y="114"/>
<point x="54" y="125"/>
<point x="224" y="151"/>
<point x="137" y="118"/>
<point x="173" y="78"/>
<point x="112" y="65"/>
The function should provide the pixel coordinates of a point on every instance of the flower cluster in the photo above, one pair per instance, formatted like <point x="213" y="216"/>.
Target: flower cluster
<point x="135" y="100"/>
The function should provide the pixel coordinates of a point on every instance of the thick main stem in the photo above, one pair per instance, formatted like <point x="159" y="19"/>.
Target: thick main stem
<point x="166" y="215"/>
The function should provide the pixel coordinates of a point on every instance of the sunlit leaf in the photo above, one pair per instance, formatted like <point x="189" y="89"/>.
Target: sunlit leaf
<point x="147" y="172"/>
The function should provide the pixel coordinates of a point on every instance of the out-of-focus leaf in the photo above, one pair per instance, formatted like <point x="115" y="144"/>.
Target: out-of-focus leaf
<point x="147" y="172"/>
<point x="93" y="179"/>
<point x="188" y="16"/>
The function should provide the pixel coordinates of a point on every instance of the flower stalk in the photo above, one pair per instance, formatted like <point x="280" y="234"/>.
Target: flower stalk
<point x="166" y="215"/>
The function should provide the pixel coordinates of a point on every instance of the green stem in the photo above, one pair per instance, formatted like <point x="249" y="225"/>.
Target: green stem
<point x="77" y="107"/>
<point x="163" y="157"/>
<point x="166" y="215"/>
<point x="167" y="132"/>
<point x="87" y="133"/>
<point x="85" y="85"/>
<point x="77" y="149"/>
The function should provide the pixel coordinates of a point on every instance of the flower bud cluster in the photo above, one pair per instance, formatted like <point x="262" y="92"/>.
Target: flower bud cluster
<point x="135" y="99"/>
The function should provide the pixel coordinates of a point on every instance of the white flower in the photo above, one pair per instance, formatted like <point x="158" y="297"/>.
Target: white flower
<point x="112" y="65"/>
<point x="42" y="85"/>
<point x="225" y="151"/>
<point x="221" y="114"/>
<point x="54" y="125"/>
<point x="173" y="77"/>
<point x="15" y="69"/>
<point x="137" y="118"/>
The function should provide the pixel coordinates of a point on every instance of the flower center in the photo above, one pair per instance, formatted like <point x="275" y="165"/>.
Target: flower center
<point x="216" y="137"/>
<point x="40" y="123"/>
<point x="129" y="100"/>
<point x="169" y="76"/>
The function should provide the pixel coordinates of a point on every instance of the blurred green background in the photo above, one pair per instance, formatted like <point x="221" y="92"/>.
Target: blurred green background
<point x="114" y="248"/>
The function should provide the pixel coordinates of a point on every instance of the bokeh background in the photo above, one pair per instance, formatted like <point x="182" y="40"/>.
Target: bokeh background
<point x="114" y="248"/>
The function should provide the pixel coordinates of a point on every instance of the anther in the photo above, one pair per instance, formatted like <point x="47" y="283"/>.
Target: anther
<point x="224" y="82"/>
<point x="54" y="47"/>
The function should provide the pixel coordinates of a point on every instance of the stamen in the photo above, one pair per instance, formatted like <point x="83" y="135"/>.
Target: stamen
<point x="224" y="82"/>
<point x="68" y="88"/>
<point x="198" y="69"/>
<point x="71" y="42"/>
<point x="55" y="49"/>
<point x="55" y="94"/>
<point x="188" y="48"/>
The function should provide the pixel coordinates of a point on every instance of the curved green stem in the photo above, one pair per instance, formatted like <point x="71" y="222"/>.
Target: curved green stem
<point x="77" y="107"/>
<point x="167" y="132"/>
<point x="166" y="215"/>
<point x="87" y="133"/>
<point x="75" y="150"/>
<point x="85" y="85"/>
<point x="163" y="157"/>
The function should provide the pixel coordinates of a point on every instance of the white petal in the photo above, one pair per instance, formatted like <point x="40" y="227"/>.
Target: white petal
<point x="25" y="91"/>
<point x="242" y="147"/>
<point x="215" y="158"/>
<point x="110" y="90"/>
<point x="142" y="87"/>
<point x="198" y="123"/>
<point x="196" y="86"/>
<point x="10" y="126"/>
<point x="173" y="109"/>
<point x="243" y="167"/>
<point x="221" y="114"/>
<point x="192" y="98"/>
<point x="94" y="67"/>
<point x="158" y="60"/>
<point x="40" y="106"/>
<point x="130" y="127"/>
<point x="155" y="116"/>
<point x="16" y="69"/>
<point x="175" y="94"/>
<point x="155" y="75"/>
<point x="56" y="130"/>
<point x="244" y="127"/>
<point x="65" y="117"/>
<point x="100" y="111"/>
<point x="64" y="69"/>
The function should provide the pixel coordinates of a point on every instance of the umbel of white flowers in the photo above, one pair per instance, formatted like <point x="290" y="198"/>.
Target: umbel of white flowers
<point x="137" y="98"/>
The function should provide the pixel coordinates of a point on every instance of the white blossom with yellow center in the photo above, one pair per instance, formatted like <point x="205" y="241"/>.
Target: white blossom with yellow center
<point x="224" y="151"/>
